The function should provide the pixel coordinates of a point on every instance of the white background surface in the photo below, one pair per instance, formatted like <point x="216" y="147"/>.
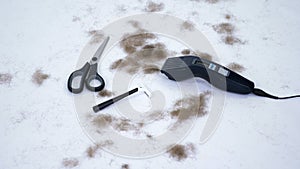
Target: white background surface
<point x="38" y="124"/>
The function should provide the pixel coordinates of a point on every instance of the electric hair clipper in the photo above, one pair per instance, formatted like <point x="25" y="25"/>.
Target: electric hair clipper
<point x="186" y="67"/>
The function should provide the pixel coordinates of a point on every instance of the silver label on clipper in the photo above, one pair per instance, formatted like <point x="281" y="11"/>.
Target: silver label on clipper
<point x="223" y="71"/>
<point x="212" y="66"/>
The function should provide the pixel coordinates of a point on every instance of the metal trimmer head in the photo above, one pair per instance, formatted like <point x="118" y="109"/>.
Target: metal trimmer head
<point x="145" y="89"/>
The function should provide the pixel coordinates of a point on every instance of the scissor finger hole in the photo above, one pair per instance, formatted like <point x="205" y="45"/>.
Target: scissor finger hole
<point x="76" y="82"/>
<point x="95" y="83"/>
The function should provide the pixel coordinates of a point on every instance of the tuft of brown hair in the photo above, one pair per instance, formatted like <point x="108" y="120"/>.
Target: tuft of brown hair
<point x="102" y="120"/>
<point x="175" y="113"/>
<point x="154" y="7"/>
<point x="235" y="67"/>
<point x="231" y="40"/>
<point x="181" y="152"/>
<point x="92" y="150"/>
<point x="187" y="25"/>
<point x="105" y="93"/>
<point x="203" y="55"/>
<point x="186" y="51"/>
<point x="39" y="77"/>
<point x="123" y="124"/>
<point x="227" y="30"/>
<point x="178" y="152"/>
<point x="5" y="78"/>
<point x="212" y="1"/>
<point x="97" y="36"/>
<point x="135" y="24"/>
<point x="228" y="16"/>
<point x="149" y="136"/>
<point x="94" y="32"/>
<point x="125" y="166"/>
<point x="140" y="54"/>
<point x="197" y="53"/>
<point x="117" y="123"/>
<point x="149" y="69"/>
<point x="187" y="107"/>
<point x="116" y="64"/>
<point x="224" y="28"/>
<point x="130" y="42"/>
<point x="70" y="162"/>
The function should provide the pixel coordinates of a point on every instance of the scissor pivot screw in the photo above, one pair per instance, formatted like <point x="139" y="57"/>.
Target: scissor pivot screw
<point x="94" y="59"/>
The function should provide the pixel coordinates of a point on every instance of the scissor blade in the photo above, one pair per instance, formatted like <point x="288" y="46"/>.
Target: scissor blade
<point x="100" y="50"/>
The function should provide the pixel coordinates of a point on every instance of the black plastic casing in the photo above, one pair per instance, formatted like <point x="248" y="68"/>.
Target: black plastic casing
<point x="186" y="67"/>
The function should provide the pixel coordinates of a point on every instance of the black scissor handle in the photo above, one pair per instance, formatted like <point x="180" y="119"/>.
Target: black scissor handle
<point x="93" y="75"/>
<point x="81" y="72"/>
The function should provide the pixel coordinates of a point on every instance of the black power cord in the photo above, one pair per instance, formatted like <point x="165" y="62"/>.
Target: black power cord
<point x="262" y="93"/>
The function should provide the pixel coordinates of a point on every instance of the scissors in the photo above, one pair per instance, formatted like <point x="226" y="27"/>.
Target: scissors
<point x="88" y="73"/>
